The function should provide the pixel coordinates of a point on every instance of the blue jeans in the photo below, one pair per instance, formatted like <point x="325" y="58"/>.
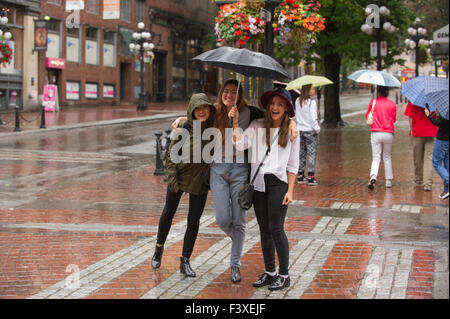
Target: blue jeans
<point x="440" y="160"/>
<point x="226" y="181"/>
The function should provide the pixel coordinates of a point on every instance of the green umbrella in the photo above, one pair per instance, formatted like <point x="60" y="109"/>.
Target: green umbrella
<point x="314" y="80"/>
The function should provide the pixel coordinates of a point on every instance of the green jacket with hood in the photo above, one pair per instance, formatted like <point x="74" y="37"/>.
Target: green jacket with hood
<point x="185" y="175"/>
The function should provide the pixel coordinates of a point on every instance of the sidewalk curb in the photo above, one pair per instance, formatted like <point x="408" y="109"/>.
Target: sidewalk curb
<point x="98" y="123"/>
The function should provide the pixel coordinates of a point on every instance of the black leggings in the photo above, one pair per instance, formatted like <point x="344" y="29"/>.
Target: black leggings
<point x="271" y="215"/>
<point x="196" y="206"/>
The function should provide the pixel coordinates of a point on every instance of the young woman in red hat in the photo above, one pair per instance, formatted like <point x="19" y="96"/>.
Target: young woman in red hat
<point x="274" y="181"/>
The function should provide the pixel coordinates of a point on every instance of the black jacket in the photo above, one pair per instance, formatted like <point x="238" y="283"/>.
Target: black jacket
<point x="442" y="123"/>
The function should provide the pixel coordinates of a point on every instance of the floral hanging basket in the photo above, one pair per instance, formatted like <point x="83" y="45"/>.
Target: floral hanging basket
<point x="240" y="23"/>
<point x="296" y="25"/>
<point x="5" y="53"/>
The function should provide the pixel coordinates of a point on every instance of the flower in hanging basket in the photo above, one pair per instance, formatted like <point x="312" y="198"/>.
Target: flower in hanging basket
<point x="296" y="26"/>
<point x="6" y="53"/>
<point x="239" y="23"/>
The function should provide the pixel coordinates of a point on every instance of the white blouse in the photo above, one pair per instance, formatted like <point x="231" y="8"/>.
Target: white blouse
<point x="280" y="160"/>
<point x="306" y="116"/>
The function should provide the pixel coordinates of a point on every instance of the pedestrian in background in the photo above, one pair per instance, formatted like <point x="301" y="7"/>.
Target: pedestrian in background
<point x="384" y="113"/>
<point x="440" y="149"/>
<point x="308" y="125"/>
<point x="423" y="134"/>
<point x="186" y="177"/>
<point x="274" y="182"/>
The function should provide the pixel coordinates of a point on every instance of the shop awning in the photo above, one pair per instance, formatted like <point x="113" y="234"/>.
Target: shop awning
<point x="126" y="37"/>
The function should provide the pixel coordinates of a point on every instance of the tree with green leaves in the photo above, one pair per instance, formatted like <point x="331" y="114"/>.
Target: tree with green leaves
<point x="343" y="40"/>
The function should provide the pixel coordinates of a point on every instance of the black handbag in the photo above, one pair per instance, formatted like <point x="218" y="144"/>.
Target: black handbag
<point x="245" y="198"/>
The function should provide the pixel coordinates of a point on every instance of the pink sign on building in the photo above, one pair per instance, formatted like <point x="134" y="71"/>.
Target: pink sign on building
<point x="55" y="63"/>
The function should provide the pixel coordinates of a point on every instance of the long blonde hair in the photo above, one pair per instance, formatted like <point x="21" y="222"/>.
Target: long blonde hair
<point x="283" y="135"/>
<point x="221" y="119"/>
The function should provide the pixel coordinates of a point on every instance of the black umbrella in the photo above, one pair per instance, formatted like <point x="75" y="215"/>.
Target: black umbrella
<point x="243" y="61"/>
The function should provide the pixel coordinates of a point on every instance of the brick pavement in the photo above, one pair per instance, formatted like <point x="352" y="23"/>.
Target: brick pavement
<point x="82" y="224"/>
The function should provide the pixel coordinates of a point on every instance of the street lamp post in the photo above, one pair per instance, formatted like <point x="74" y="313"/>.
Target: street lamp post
<point x="417" y="37"/>
<point x="377" y="18"/>
<point x="270" y="6"/>
<point x="142" y="44"/>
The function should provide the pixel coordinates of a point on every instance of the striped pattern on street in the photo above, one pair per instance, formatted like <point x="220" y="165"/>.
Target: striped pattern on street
<point x="59" y="156"/>
<point x="102" y="272"/>
<point x="414" y="209"/>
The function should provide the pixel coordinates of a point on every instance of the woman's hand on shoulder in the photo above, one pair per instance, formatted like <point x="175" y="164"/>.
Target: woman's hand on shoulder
<point x="293" y="130"/>
<point x="177" y="122"/>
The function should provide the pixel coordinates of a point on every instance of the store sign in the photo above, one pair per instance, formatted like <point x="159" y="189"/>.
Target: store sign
<point x="49" y="100"/>
<point x="55" y="63"/>
<point x="91" y="90"/>
<point x="72" y="90"/>
<point x="74" y="5"/>
<point x="108" y="91"/>
<point x="111" y="9"/>
<point x="441" y="35"/>
<point x="374" y="49"/>
<point x="40" y="35"/>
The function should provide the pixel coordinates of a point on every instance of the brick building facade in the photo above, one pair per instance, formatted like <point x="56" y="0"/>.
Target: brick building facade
<point x="89" y="59"/>
<point x="18" y="78"/>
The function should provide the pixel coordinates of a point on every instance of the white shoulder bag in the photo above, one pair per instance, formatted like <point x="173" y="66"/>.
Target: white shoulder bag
<point x="369" y="120"/>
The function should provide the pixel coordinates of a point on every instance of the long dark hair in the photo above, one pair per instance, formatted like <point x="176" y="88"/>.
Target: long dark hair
<point x="221" y="119"/>
<point x="305" y="94"/>
<point x="284" y="127"/>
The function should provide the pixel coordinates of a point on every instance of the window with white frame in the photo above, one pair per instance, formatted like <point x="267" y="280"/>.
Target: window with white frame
<point x="125" y="10"/>
<point x="109" y="48"/>
<point x="73" y="47"/>
<point x="139" y="10"/>
<point x="92" y="6"/>
<point x="53" y="39"/>
<point x="92" y="46"/>
<point x="58" y="2"/>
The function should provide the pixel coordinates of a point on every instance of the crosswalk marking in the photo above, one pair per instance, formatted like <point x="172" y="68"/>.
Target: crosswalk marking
<point x="59" y="156"/>
<point x="387" y="274"/>
<point x="96" y="275"/>
<point x="414" y="209"/>
<point x="208" y="266"/>
<point x="341" y="205"/>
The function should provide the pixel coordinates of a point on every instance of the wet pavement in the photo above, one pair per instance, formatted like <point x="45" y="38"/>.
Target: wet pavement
<point x="80" y="204"/>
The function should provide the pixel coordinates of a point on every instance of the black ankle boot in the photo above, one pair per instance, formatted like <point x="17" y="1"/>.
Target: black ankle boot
<point x="157" y="256"/>
<point x="185" y="267"/>
<point x="280" y="282"/>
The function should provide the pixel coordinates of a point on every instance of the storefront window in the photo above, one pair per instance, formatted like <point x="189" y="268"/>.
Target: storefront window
<point x="179" y="71"/>
<point x="109" y="48"/>
<point x="140" y="10"/>
<point x="73" y="47"/>
<point x="125" y="10"/>
<point x="92" y="6"/>
<point x="54" y="39"/>
<point x="92" y="46"/>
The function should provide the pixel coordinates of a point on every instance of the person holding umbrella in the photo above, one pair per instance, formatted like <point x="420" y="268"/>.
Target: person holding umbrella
<point x="384" y="113"/>
<point x="228" y="173"/>
<point x="275" y="179"/>
<point x="307" y="117"/>
<point x="308" y="125"/>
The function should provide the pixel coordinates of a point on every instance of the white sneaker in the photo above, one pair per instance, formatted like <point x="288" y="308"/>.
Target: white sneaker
<point x="388" y="183"/>
<point x="372" y="181"/>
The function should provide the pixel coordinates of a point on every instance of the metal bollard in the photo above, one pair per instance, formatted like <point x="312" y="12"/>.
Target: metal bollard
<point x="17" y="122"/>
<point x="43" y="117"/>
<point x="166" y="146"/>
<point x="159" y="156"/>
